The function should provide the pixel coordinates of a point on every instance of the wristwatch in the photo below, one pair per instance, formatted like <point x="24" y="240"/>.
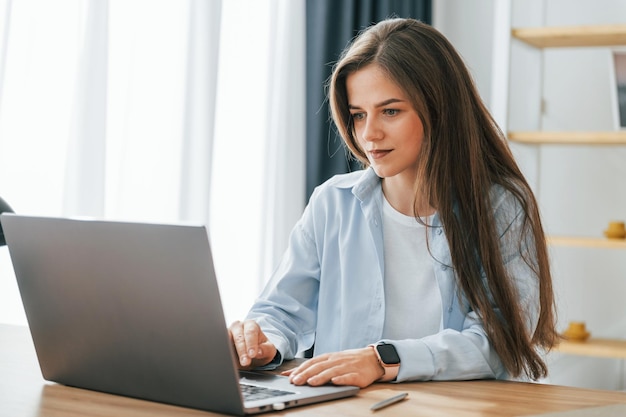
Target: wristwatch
<point x="388" y="358"/>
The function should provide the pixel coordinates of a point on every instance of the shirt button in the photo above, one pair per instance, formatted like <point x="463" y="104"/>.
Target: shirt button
<point x="439" y="231"/>
<point x="444" y="268"/>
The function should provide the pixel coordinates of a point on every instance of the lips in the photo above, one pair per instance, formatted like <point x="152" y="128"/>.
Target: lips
<point x="378" y="153"/>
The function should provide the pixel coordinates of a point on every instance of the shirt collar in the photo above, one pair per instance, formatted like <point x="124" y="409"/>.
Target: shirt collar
<point x="366" y="184"/>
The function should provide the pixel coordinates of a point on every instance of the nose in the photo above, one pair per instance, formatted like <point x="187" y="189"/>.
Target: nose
<point x="371" y="130"/>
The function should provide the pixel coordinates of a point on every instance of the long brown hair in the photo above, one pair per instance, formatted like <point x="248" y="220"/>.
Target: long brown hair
<point x="464" y="154"/>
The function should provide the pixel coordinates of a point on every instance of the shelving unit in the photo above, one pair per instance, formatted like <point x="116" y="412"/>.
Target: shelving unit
<point x="587" y="242"/>
<point x="572" y="36"/>
<point x="570" y="138"/>
<point x="564" y="37"/>
<point x="600" y="348"/>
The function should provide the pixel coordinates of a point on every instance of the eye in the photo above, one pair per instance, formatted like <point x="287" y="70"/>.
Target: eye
<point x="391" y="112"/>
<point x="358" y="116"/>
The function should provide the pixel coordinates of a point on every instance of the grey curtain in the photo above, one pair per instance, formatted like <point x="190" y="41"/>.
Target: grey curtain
<point x="330" y="25"/>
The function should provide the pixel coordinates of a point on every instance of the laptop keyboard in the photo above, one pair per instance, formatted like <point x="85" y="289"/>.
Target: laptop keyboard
<point x="254" y="392"/>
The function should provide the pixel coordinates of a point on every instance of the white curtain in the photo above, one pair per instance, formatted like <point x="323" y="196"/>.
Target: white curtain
<point x="84" y="178"/>
<point x="159" y="111"/>
<point x="284" y="182"/>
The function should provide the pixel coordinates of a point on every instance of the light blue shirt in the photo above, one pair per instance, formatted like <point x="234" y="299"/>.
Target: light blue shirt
<point x="328" y="287"/>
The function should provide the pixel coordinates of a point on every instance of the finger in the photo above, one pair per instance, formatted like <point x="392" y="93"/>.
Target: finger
<point x="351" y="378"/>
<point x="267" y="352"/>
<point x="253" y="337"/>
<point x="239" y="341"/>
<point x="340" y="374"/>
<point x="311" y="368"/>
<point x="301" y="373"/>
<point x="323" y="372"/>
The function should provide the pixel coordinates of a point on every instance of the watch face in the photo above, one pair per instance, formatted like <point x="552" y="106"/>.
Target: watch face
<point x="388" y="354"/>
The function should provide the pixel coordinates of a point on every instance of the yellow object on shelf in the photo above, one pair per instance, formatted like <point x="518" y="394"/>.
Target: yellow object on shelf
<point x="576" y="332"/>
<point x="616" y="230"/>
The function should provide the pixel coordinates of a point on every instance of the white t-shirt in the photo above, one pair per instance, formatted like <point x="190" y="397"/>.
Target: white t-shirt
<point x="412" y="296"/>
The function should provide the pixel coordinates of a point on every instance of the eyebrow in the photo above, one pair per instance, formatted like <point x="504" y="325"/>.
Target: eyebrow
<point x="381" y="104"/>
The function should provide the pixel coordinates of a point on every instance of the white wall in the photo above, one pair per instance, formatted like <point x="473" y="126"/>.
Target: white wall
<point x="470" y="29"/>
<point x="579" y="187"/>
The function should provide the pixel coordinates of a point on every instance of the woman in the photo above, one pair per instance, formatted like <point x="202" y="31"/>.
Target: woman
<point x="431" y="263"/>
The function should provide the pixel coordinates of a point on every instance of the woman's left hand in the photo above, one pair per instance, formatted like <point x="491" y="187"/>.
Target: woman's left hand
<point x="358" y="367"/>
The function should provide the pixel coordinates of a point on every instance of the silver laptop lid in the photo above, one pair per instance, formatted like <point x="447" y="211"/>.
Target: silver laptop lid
<point x="125" y="308"/>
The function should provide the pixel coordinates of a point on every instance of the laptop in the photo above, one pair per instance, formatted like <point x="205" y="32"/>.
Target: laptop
<point x="133" y="309"/>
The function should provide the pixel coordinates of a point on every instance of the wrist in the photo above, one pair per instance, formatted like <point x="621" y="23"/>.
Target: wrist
<point x="388" y="359"/>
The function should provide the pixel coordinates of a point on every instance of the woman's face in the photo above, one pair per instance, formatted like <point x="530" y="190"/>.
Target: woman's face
<point x="387" y="127"/>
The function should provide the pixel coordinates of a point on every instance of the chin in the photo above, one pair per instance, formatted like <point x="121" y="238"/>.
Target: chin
<point x="382" y="172"/>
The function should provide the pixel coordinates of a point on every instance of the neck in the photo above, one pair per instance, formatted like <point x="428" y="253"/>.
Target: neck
<point x="401" y="196"/>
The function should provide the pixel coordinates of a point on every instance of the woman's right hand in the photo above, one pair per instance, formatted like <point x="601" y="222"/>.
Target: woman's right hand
<point x="252" y="346"/>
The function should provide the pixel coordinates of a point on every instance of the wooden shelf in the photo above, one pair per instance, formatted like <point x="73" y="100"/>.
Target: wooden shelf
<point x="571" y="138"/>
<point x="604" y="348"/>
<point x="582" y="37"/>
<point x="572" y="36"/>
<point x="587" y="242"/>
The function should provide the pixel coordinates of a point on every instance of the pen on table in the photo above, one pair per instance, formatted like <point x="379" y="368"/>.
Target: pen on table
<point x="389" y="401"/>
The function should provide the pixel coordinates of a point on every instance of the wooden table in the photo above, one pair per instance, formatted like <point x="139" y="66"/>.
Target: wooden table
<point x="24" y="393"/>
